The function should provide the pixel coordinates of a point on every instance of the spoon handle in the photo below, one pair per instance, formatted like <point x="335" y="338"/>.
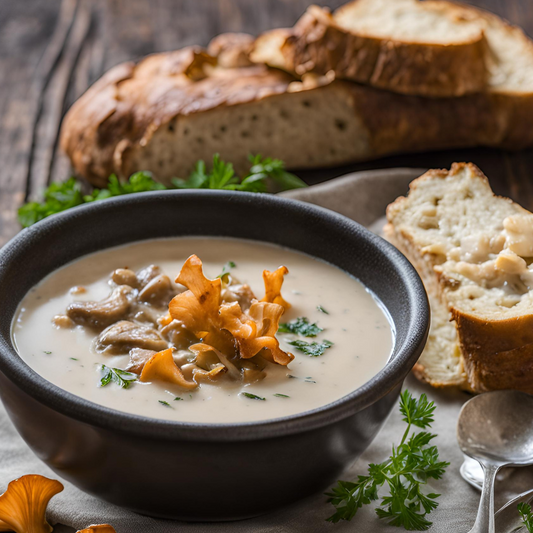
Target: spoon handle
<point x="485" y="515"/>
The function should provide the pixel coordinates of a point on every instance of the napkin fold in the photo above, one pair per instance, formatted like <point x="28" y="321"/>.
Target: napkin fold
<point x="362" y="196"/>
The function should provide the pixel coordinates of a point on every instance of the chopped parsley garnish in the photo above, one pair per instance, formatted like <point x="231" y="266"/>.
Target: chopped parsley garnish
<point x="278" y="395"/>
<point x="322" y="310"/>
<point x="527" y="516"/>
<point x="47" y="352"/>
<point x="301" y="326"/>
<point x="166" y="404"/>
<point x="177" y="399"/>
<point x="253" y="396"/>
<point x="116" y="375"/>
<point x="62" y="196"/>
<point x="309" y="381"/>
<point x="225" y="274"/>
<point x="404" y="474"/>
<point x="313" y="349"/>
<point x="74" y="359"/>
<point x="290" y="376"/>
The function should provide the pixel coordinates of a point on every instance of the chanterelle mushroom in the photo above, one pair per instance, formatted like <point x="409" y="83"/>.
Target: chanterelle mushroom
<point x="23" y="504"/>
<point x="161" y="366"/>
<point x="202" y="311"/>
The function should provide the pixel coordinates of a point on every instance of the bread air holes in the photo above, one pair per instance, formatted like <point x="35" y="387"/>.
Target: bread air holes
<point x="340" y="124"/>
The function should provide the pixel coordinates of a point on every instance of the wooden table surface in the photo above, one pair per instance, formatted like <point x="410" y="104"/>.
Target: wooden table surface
<point x="52" y="50"/>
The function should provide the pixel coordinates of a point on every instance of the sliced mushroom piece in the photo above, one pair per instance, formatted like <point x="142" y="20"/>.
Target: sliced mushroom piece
<point x="177" y="334"/>
<point x="251" y="372"/>
<point x="102" y="314"/>
<point x="138" y="358"/>
<point x="158" y="291"/>
<point x="202" y="352"/>
<point x="125" y="276"/>
<point x="201" y="376"/>
<point x="161" y="367"/>
<point x="146" y="275"/>
<point x="241" y="293"/>
<point x="146" y="313"/>
<point x="125" y="335"/>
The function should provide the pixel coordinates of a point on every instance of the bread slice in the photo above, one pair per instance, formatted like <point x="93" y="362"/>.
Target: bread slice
<point x="172" y="109"/>
<point x="474" y="251"/>
<point x="429" y="48"/>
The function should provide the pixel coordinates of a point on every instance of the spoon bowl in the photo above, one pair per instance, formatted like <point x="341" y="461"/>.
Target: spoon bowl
<point x="494" y="428"/>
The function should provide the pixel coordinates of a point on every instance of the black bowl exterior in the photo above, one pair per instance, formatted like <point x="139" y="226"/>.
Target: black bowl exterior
<point x="194" y="471"/>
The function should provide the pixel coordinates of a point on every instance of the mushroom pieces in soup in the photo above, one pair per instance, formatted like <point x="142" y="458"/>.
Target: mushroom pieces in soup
<point x="229" y="333"/>
<point x="253" y="343"/>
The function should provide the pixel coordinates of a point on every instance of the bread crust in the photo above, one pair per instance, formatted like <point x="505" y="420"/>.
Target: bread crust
<point x="318" y="44"/>
<point x="112" y="127"/>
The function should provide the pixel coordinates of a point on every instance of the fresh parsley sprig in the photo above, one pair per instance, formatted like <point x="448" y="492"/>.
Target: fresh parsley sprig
<point x="300" y="326"/>
<point x="405" y="473"/>
<point x="116" y="375"/>
<point x="527" y="516"/>
<point x="265" y="173"/>
<point x="313" y="349"/>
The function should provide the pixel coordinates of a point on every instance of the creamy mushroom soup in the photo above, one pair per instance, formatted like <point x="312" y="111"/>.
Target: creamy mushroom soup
<point x="231" y="347"/>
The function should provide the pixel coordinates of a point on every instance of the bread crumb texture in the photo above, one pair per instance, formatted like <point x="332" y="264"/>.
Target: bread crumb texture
<point x="474" y="251"/>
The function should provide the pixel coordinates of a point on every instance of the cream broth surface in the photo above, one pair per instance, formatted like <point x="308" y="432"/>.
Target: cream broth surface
<point x="355" y="323"/>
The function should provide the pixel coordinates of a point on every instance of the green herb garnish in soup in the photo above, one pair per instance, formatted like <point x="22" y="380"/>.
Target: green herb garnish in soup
<point x="162" y="325"/>
<point x="116" y="375"/>
<point x="314" y="349"/>
<point x="253" y="396"/>
<point x="300" y="326"/>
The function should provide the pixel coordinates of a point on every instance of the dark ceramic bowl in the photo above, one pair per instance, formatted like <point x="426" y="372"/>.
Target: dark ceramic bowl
<point x="199" y="471"/>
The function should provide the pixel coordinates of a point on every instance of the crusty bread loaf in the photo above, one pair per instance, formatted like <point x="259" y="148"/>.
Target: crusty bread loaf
<point x="429" y="48"/>
<point x="473" y="251"/>
<point x="172" y="109"/>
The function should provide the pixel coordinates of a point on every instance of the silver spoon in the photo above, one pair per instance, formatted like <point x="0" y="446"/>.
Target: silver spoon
<point x="507" y="518"/>
<point x="494" y="428"/>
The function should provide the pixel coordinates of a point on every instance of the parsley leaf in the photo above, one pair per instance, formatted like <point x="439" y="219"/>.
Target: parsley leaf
<point x="408" y="469"/>
<point x="314" y="349"/>
<point x="279" y="395"/>
<point x="322" y="310"/>
<point x="138" y="182"/>
<point x="61" y="196"/>
<point x="527" y="516"/>
<point x="263" y="168"/>
<point x="116" y="375"/>
<point x="57" y="197"/>
<point x="253" y="396"/>
<point x="300" y="326"/>
<point x="166" y="404"/>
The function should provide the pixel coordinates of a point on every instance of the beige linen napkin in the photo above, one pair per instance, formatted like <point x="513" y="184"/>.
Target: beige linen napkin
<point x="363" y="197"/>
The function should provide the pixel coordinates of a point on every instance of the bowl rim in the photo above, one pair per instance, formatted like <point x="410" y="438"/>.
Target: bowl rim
<point x="73" y="406"/>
